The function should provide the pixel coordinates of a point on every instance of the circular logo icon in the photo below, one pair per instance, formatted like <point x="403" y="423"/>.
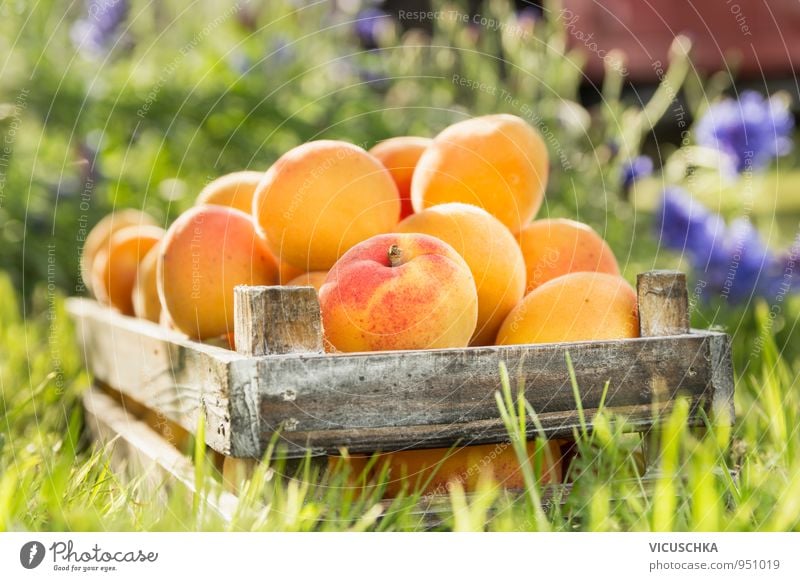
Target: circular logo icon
<point x="31" y="554"/>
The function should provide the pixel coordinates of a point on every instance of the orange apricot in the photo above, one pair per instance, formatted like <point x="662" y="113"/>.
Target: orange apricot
<point x="581" y="306"/>
<point x="115" y="267"/>
<point x="400" y="156"/>
<point x="315" y="278"/>
<point x="234" y="190"/>
<point x="100" y="234"/>
<point x="146" y="304"/>
<point x="322" y="198"/>
<point x="466" y="465"/>
<point x="556" y="247"/>
<point x="287" y="272"/>
<point x="207" y="252"/>
<point x="490" y="251"/>
<point x="497" y="162"/>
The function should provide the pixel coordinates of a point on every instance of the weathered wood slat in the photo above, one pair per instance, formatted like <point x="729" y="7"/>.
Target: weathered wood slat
<point x="663" y="303"/>
<point x="271" y="321"/>
<point x="274" y="320"/>
<point x="159" y="368"/>
<point x="139" y="451"/>
<point x="432" y="398"/>
<point x="396" y="400"/>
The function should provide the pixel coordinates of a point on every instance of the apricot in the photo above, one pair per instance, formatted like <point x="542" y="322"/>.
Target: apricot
<point x="146" y="304"/>
<point x="497" y="162"/>
<point x="322" y="198"/>
<point x="100" y="234"/>
<point x="315" y="278"/>
<point x="466" y="465"/>
<point x="287" y="272"/>
<point x="581" y="306"/>
<point x="400" y="156"/>
<point x="115" y="267"/>
<point x="234" y="190"/>
<point x="490" y="251"/>
<point x="399" y="291"/>
<point x="556" y="247"/>
<point x="208" y="251"/>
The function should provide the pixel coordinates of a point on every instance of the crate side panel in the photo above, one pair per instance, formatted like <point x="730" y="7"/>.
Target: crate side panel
<point x="157" y="368"/>
<point x="444" y="395"/>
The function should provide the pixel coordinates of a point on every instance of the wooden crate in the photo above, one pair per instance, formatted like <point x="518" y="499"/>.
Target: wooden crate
<point x="279" y="379"/>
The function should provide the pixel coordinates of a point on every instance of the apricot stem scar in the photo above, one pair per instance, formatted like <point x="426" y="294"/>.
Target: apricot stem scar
<point x="394" y="255"/>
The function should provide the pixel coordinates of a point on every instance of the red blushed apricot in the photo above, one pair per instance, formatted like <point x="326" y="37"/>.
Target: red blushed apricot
<point x="581" y="306"/>
<point x="496" y="162"/>
<point x="315" y="278"/>
<point x="115" y="267"/>
<point x="490" y="251"/>
<point x="556" y="247"/>
<point x="234" y="190"/>
<point x="400" y="156"/>
<point x="146" y="304"/>
<point x="207" y="252"/>
<point x="410" y="468"/>
<point x="99" y="236"/>
<point x="399" y="291"/>
<point x="322" y="198"/>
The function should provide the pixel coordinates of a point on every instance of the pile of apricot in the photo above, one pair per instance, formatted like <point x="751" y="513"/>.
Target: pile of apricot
<point x="418" y="243"/>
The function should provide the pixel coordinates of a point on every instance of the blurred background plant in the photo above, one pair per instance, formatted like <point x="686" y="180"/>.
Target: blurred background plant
<point x="132" y="104"/>
<point x="114" y="112"/>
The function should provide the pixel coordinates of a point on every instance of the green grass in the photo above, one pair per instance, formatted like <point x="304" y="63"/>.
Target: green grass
<point x="53" y="478"/>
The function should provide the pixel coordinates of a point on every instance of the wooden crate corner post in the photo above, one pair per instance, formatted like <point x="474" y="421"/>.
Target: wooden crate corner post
<point x="663" y="311"/>
<point x="271" y="320"/>
<point x="663" y="303"/>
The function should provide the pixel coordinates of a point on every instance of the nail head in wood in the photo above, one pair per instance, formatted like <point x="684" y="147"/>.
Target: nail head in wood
<point x="275" y="320"/>
<point x="663" y="303"/>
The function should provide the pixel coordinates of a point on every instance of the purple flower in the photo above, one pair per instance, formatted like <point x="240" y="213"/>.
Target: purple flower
<point x="635" y="169"/>
<point x="752" y="130"/>
<point x="784" y="276"/>
<point x="99" y="29"/>
<point x="370" y="25"/>
<point x="239" y="62"/>
<point x="687" y="226"/>
<point x="530" y="15"/>
<point x="732" y="262"/>
<point x="613" y="148"/>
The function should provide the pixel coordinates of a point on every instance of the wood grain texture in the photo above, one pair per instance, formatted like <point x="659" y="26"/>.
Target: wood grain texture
<point x="433" y="398"/>
<point x="274" y="320"/>
<point x="270" y="321"/>
<point x="159" y="368"/>
<point x="663" y="303"/>
<point x="396" y="400"/>
<point x="136" y="451"/>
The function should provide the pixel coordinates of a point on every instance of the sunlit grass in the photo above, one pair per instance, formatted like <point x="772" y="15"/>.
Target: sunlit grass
<point x="740" y="478"/>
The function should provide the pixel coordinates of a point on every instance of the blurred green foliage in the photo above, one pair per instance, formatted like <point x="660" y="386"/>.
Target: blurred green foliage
<point x="188" y="94"/>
